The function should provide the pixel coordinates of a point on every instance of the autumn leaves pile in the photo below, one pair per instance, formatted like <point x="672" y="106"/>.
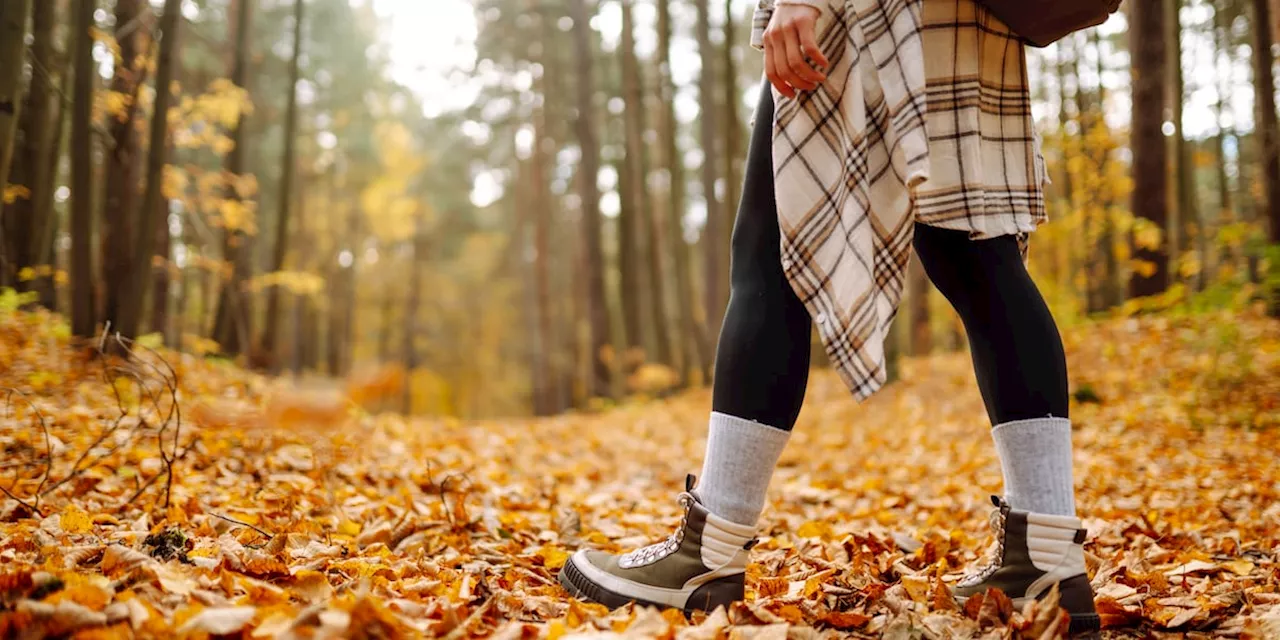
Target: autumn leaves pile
<point x="269" y="511"/>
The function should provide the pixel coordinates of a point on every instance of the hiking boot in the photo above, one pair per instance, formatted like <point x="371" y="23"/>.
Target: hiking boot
<point x="700" y="567"/>
<point x="1033" y="552"/>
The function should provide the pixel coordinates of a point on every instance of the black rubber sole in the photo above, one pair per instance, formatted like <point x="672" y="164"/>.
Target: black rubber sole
<point x="580" y="587"/>
<point x="707" y="597"/>
<point x="1084" y="625"/>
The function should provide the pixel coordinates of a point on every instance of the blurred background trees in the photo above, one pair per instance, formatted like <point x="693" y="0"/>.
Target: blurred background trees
<point x="247" y="179"/>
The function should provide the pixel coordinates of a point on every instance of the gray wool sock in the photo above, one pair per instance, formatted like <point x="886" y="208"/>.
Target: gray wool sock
<point x="1035" y="456"/>
<point x="741" y="456"/>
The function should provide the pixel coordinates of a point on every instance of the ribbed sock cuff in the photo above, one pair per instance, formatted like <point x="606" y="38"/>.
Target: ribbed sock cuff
<point x="740" y="459"/>
<point x="1035" y="456"/>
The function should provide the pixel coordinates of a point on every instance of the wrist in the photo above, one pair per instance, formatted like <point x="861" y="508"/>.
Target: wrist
<point x="820" y="5"/>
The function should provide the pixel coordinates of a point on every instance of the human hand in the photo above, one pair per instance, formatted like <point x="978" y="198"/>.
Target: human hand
<point x="791" y="51"/>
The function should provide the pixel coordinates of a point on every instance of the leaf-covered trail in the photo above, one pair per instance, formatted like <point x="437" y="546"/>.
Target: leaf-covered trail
<point x="291" y="516"/>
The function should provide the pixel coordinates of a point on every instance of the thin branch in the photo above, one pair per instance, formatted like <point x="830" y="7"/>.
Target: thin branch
<point x="150" y="481"/>
<point x="175" y="409"/>
<point x="22" y="502"/>
<point x="111" y="373"/>
<point x="107" y="369"/>
<point x="243" y="524"/>
<point x="48" y="445"/>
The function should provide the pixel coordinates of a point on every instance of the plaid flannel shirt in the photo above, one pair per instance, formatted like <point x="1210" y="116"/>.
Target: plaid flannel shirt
<point x="924" y="117"/>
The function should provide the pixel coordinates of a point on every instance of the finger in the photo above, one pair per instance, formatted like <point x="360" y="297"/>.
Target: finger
<point x="801" y="64"/>
<point x="798" y="72"/>
<point x="773" y="72"/>
<point x="810" y="48"/>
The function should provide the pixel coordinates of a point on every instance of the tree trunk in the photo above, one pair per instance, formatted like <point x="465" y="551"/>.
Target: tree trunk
<point x="893" y="354"/>
<point x="1065" y="70"/>
<point x="120" y="204"/>
<point x="733" y="148"/>
<point x="162" y="274"/>
<point x="1111" y="287"/>
<point x="342" y="301"/>
<point x="523" y="251"/>
<point x="13" y="54"/>
<point x="547" y="396"/>
<point x="648" y="222"/>
<point x="653" y="293"/>
<point x="384" y="334"/>
<point x="19" y="225"/>
<point x="694" y="345"/>
<point x="46" y="220"/>
<point x="716" y="289"/>
<point x="271" y="333"/>
<point x="1182" y="231"/>
<point x="231" y="327"/>
<point x="144" y="236"/>
<point x="143" y="242"/>
<point x="631" y="291"/>
<point x="1221" y="38"/>
<point x="601" y="384"/>
<point x="1150" y="150"/>
<point x="306" y="339"/>
<point x="921" y="327"/>
<point x="1268" y="130"/>
<point x="177" y="323"/>
<point x="83" y="320"/>
<point x="412" y="319"/>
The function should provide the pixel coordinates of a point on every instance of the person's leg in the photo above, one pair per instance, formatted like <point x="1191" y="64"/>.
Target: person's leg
<point x="1018" y="357"/>
<point x="1017" y="350"/>
<point x="762" y="367"/>
<point x="1022" y="373"/>
<point x="762" y="361"/>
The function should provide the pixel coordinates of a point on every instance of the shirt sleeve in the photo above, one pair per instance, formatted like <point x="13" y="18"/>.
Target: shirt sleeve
<point x="760" y="22"/>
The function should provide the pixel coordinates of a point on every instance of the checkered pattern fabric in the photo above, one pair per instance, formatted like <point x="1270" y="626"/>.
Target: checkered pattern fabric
<point x="925" y="116"/>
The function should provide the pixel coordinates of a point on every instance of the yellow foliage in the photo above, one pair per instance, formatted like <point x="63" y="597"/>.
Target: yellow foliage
<point x="204" y="120"/>
<point x="392" y="207"/>
<point x="237" y="215"/>
<point x="1144" y="268"/>
<point x="76" y="520"/>
<point x="246" y="185"/>
<point x="295" y="282"/>
<point x="14" y="191"/>
<point x="1147" y="235"/>
<point x="174" y="182"/>
<point x="117" y="104"/>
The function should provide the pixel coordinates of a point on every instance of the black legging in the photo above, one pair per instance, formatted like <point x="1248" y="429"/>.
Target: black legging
<point x="762" y="363"/>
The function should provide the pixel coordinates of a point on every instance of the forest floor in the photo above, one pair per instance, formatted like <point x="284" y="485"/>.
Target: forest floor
<point x="273" y="511"/>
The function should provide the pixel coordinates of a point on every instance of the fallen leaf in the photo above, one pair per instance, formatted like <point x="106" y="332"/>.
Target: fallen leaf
<point x="219" y="621"/>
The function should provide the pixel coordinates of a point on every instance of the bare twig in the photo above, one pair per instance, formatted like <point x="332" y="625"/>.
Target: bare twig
<point x="175" y="415"/>
<point x="107" y="379"/>
<point x="22" y="502"/>
<point x="169" y="378"/>
<point x="144" y="374"/>
<point x="150" y="481"/>
<point x="243" y="524"/>
<point x="48" y="444"/>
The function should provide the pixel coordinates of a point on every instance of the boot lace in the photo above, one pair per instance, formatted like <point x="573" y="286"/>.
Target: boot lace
<point x="994" y="556"/>
<point x="657" y="551"/>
